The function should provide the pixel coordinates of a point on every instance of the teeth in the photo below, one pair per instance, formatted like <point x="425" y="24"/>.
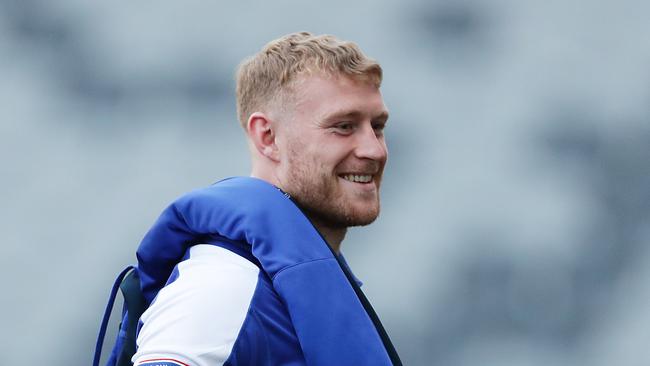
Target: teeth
<point x="358" y="178"/>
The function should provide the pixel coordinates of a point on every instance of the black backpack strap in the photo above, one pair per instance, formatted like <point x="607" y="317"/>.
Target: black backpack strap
<point x="135" y="306"/>
<point x="107" y="315"/>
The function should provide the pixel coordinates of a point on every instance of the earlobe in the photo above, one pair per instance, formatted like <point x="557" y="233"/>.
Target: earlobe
<point x="269" y="152"/>
<point x="261" y="131"/>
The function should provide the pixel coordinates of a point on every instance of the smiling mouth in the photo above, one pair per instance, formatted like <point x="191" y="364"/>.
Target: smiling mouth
<point x="357" y="178"/>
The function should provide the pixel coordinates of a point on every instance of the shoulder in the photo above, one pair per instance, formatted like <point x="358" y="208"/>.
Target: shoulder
<point x="199" y="313"/>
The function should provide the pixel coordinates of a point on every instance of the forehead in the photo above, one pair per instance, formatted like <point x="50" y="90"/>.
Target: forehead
<point x="323" y="94"/>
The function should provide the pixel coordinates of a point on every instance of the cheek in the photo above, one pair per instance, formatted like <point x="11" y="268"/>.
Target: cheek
<point x="292" y="147"/>
<point x="318" y="153"/>
<point x="333" y="156"/>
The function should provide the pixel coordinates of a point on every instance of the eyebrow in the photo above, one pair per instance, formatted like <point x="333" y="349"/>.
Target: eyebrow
<point x="383" y="116"/>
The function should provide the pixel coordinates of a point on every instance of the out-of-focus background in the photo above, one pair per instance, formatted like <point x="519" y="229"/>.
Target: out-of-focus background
<point x="516" y="204"/>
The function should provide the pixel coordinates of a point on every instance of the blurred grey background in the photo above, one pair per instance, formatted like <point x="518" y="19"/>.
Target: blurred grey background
<point x="516" y="202"/>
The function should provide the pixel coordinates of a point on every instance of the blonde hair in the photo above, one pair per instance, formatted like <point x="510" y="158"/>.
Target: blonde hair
<point x="267" y="75"/>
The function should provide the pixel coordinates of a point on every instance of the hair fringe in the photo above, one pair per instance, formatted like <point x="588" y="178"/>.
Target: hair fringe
<point x="263" y="76"/>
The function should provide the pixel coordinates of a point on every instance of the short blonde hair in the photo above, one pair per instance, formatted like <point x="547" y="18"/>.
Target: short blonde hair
<point x="266" y="75"/>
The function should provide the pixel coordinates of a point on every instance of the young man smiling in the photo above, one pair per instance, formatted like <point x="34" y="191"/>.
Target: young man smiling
<point x="327" y="151"/>
<point x="253" y="283"/>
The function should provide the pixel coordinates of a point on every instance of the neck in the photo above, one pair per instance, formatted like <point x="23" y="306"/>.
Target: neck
<point x="333" y="236"/>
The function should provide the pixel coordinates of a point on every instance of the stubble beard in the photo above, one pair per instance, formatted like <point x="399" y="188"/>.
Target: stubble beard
<point x="320" y="196"/>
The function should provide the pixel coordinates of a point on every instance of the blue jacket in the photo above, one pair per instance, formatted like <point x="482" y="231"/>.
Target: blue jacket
<point x="306" y="308"/>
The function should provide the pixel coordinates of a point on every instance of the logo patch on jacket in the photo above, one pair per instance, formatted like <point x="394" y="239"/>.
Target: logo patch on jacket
<point x="161" y="362"/>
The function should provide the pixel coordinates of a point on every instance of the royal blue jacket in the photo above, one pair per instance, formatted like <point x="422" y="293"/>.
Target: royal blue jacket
<point x="284" y="297"/>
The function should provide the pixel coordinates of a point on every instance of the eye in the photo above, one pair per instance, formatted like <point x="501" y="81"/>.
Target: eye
<point x="379" y="128"/>
<point x="344" y="128"/>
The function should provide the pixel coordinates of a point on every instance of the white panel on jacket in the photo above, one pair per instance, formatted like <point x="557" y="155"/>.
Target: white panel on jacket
<point x="196" y="319"/>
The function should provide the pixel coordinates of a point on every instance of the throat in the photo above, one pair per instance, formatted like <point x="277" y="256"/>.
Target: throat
<point x="333" y="236"/>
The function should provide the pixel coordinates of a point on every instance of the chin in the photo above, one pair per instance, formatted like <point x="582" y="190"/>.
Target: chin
<point x="362" y="216"/>
<point x="343" y="216"/>
<point x="362" y="221"/>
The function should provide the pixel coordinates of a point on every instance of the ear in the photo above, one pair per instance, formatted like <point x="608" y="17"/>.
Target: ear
<point x="261" y="131"/>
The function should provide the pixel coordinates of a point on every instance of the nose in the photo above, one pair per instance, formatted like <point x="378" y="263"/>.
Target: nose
<point x="370" y="145"/>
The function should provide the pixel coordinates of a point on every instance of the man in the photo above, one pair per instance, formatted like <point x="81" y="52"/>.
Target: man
<point x="252" y="282"/>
